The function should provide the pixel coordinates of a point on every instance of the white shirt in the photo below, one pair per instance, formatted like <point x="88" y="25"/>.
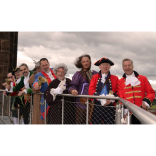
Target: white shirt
<point x="26" y="84"/>
<point x="132" y="80"/>
<point x="50" y="75"/>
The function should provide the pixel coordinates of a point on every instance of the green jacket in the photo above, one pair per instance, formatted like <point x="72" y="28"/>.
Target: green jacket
<point x="21" y="85"/>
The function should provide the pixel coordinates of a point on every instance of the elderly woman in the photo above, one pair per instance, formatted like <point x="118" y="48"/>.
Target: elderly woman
<point x="59" y="86"/>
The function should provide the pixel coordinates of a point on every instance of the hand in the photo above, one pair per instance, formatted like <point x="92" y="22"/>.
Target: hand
<point x="37" y="87"/>
<point x="144" y="106"/>
<point x="8" y="87"/>
<point x="4" y="93"/>
<point x="74" y="92"/>
<point x="20" y="93"/>
<point x="107" y="102"/>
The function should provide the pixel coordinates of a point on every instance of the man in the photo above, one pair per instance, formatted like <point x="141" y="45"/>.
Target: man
<point x="135" y="88"/>
<point x="80" y="83"/>
<point x="6" y="93"/>
<point x="101" y="85"/>
<point x="49" y="75"/>
<point x="36" y="119"/>
<point x="58" y="86"/>
<point x="24" y="94"/>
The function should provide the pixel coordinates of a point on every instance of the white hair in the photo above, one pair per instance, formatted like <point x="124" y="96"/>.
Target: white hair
<point x="60" y="65"/>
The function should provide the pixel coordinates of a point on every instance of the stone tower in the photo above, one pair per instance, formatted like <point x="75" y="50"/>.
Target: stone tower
<point x="8" y="54"/>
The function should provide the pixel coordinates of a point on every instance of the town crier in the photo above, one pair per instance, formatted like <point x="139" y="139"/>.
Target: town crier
<point x="103" y="84"/>
<point x="48" y="74"/>
<point x="135" y="88"/>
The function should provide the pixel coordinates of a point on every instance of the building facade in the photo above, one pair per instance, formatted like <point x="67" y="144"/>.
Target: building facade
<point x="8" y="54"/>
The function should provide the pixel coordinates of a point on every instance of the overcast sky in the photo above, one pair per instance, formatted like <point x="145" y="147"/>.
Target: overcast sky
<point x="65" y="47"/>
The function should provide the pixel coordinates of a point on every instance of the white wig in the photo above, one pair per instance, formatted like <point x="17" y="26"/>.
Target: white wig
<point x="60" y="65"/>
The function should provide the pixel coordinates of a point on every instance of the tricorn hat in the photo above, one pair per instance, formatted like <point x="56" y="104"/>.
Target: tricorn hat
<point x="103" y="60"/>
<point x="15" y="70"/>
<point x="37" y="64"/>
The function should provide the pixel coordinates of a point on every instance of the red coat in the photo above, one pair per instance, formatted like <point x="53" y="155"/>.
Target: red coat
<point x="136" y="94"/>
<point x="96" y="86"/>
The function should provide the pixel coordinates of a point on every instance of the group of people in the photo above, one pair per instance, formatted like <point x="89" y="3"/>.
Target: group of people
<point x="52" y="81"/>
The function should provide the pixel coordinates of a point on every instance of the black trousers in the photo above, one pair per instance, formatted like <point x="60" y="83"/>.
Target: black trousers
<point x="24" y="111"/>
<point x="135" y="120"/>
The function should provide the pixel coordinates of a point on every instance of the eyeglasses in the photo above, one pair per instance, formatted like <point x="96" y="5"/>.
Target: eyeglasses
<point x="10" y="77"/>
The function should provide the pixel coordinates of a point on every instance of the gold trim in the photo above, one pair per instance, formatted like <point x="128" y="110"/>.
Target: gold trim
<point x="128" y="87"/>
<point x="136" y="86"/>
<point x="137" y="91"/>
<point x="134" y="97"/>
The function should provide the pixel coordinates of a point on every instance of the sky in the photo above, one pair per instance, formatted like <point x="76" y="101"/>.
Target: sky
<point x="65" y="47"/>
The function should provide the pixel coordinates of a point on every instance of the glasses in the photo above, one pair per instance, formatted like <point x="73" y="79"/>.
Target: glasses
<point x="10" y="77"/>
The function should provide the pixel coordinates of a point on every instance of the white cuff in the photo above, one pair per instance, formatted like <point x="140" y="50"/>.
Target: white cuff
<point x="146" y="103"/>
<point x="125" y="111"/>
<point x="25" y="91"/>
<point x="52" y="93"/>
<point x="11" y="89"/>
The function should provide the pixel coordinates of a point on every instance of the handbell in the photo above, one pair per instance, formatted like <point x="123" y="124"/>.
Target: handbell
<point x="8" y="81"/>
<point x="41" y="80"/>
<point x="111" y="92"/>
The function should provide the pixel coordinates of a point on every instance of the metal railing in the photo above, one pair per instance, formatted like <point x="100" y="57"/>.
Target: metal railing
<point x="143" y="116"/>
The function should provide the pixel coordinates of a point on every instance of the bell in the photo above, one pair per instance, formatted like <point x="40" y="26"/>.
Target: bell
<point x="8" y="81"/>
<point x="41" y="80"/>
<point x="111" y="92"/>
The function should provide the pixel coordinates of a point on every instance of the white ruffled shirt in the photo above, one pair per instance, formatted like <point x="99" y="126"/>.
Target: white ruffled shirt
<point x="132" y="80"/>
<point x="50" y="75"/>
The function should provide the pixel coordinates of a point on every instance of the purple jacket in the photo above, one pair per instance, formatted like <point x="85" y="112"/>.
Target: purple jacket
<point x="78" y="81"/>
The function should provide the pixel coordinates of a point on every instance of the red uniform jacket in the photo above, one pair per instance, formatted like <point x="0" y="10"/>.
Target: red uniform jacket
<point x="96" y="85"/>
<point x="136" y="94"/>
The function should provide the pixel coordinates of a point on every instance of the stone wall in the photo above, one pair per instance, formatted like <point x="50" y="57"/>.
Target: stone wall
<point x="8" y="54"/>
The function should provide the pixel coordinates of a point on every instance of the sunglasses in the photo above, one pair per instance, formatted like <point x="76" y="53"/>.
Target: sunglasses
<point x="10" y="77"/>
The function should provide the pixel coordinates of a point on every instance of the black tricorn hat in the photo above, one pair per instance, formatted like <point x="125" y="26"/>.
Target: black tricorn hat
<point x="15" y="70"/>
<point x="103" y="60"/>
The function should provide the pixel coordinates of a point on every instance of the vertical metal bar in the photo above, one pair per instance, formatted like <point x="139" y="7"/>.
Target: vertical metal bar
<point x="9" y="108"/>
<point x="62" y="109"/>
<point x="128" y="118"/>
<point x="118" y="114"/>
<point x="122" y="112"/>
<point x="18" y="109"/>
<point x="31" y="109"/>
<point x="45" y="112"/>
<point x="2" y="105"/>
<point x="87" y="110"/>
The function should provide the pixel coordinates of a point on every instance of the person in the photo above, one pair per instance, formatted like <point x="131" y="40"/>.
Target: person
<point x="58" y="86"/>
<point x="80" y="83"/>
<point x="24" y="95"/>
<point x="135" y="88"/>
<point x="8" y="93"/>
<point x="48" y="74"/>
<point x="36" y="119"/>
<point x="102" y="84"/>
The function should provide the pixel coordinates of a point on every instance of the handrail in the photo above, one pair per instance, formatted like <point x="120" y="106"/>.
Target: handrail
<point x="144" y="116"/>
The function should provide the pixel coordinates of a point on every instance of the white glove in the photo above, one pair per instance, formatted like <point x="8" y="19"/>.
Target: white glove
<point x="103" y="101"/>
<point x="58" y="90"/>
<point x="112" y="96"/>
<point x="62" y="85"/>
